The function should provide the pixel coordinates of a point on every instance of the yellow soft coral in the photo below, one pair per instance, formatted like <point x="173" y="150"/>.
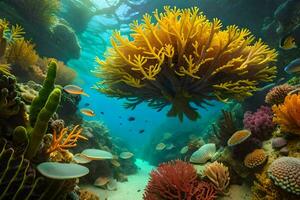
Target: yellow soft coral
<point x="287" y="115"/>
<point x="183" y="58"/>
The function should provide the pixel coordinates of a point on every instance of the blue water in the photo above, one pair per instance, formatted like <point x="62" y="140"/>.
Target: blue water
<point x="94" y="42"/>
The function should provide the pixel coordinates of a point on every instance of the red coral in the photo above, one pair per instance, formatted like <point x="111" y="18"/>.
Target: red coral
<point x="177" y="180"/>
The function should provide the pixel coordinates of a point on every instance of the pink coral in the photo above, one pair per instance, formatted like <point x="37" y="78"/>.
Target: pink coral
<point x="177" y="180"/>
<point x="260" y="122"/>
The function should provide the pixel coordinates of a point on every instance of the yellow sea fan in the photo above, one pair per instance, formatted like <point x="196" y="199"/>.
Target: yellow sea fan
<point x="287" y="115"/>
<point x="184" y="58"/>
<point x="21" y="53"/>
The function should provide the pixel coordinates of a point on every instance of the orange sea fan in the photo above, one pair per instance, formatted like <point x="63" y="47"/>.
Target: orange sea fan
<point x="287" y="115"/>
<point x="183" y="59"/>
<point x="65" y="141"/>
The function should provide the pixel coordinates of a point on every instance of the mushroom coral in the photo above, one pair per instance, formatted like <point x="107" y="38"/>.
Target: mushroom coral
<point x="181" y="59"/>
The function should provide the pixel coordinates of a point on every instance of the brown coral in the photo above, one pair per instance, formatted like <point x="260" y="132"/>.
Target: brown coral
<point x="287" y="115"/>
<point x="255" y="158"/>
<point x="277" y="94"/>
<point x="218" y="174"/>
<point x="183" y="58"/>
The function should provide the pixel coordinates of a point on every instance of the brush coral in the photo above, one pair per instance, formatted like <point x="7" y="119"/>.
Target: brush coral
<point x="287" y="115"/>
<point x="177" y="180"/>
<point x="218" y="174"/>
<point x="65" y="141"/>
<point x="183" y="59"/>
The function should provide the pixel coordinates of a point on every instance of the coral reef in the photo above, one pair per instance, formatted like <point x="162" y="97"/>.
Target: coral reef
<point x="287" y="115"/>
<point x="203" y="154"/>
<point x="153" y="68"/>
<point x="255" y="158"/>
<point x="218" y="174"/>
<point x="88" y="195"/>
<point x="177" y="180"/>
<point x="285" y="172"/>
<point x="277" y="94"/>
<point x="260" y="123"/>
<point x="278" y="142"/>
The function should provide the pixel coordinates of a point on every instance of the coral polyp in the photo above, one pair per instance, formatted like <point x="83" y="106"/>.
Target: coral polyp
<point x="183" y="59"/>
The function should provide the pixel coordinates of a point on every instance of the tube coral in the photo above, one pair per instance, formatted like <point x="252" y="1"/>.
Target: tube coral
<point x="177" y="180"/>
<point x="184" y="59"/>
<point x="287" y="115"/>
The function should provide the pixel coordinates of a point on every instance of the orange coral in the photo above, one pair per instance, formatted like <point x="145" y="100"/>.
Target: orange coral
<point x="287" y="115"/>
<point x="183" y="59"/>
<point x="64" y="140"/>
<point x="255" y="158"/>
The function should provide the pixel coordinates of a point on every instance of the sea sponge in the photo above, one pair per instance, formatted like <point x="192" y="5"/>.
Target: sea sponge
<point x="183" y="58"/>
<point x="218" y="174"/>
<point x="238" y="137"/>
<point x="287" y="115"/>
<point x="255" y="158"/>
<point x="277" y="94"/>
<point x="177" y="180"/>
<point x="285" y="173"/>
<point x="260" y="123"/>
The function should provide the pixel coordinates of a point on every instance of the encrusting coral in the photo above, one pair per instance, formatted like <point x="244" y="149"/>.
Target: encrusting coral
<point x="177" y="180"/>
<point x="255" y="158"/>
<point x="287" y="115"/>
<point x="181" y="59"/>
<point x="218" y="174"/>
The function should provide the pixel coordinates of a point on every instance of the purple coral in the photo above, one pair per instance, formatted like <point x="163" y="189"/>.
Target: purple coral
<point x="260" y="122"/>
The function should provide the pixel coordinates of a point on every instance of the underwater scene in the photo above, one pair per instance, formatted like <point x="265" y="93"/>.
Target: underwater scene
<point x="149" y="99"/>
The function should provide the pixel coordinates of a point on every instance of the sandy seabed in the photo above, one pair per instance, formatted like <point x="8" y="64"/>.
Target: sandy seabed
<point x="133" y="189"/>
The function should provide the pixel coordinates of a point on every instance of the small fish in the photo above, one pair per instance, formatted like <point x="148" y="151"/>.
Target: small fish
<point x="87" y="112"/>
<point x="141" y="131"/>
<point x="288" y="42"/>
<point x="102" y="113"/>
<point x="131" y="119"/>
<point x="120" y="124"/>
<point x="86" y="104"/>
<point x="170" y="146"/>
<point x="161" y="146"/>
<point x="293" y="67"/>
<point x="74" y="89"/>
<point x="146" y="121"/>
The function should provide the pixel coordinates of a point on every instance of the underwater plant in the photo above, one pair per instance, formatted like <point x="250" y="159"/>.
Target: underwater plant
<point x="177" y="180"/>
<point x="41" y="12"/>
<point x="184" y="59"/>
<point x="287" y="115"/>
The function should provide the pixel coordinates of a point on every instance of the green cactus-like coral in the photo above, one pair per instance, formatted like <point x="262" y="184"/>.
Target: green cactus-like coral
<point x="48" y="86"/>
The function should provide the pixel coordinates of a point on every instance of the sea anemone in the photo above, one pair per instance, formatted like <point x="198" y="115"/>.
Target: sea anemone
<point x="255" y="158"/>
<point x="260" y="122"/>
<point x="177" y="180"/>
<point x="181" y="59"/>
<point x="218" y="174"/>
<point x="287" y="115"/>
<point x="277" y="94"/>
<point x="285" y="173"/>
